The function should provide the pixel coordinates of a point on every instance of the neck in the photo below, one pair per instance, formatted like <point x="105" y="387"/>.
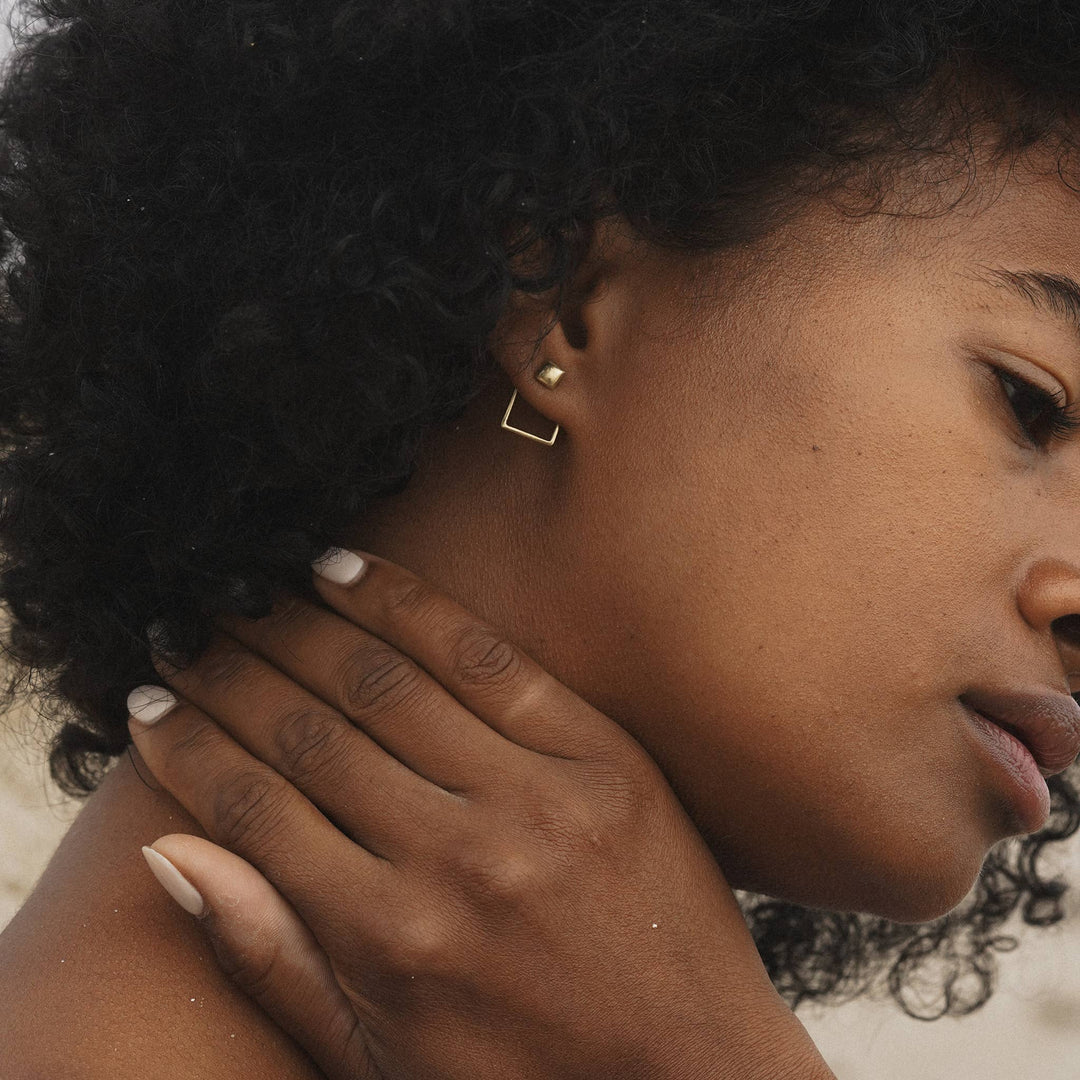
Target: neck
<point x="476" y="522"/>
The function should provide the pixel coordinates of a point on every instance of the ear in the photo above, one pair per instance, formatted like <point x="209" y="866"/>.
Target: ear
<point x="579" y="332"/>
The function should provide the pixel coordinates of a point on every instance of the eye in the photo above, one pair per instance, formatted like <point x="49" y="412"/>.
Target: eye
<point x="1042" y="416"/>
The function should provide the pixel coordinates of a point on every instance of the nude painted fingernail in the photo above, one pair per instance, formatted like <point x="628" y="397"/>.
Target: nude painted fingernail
<point x="148" y="704"/>
<point x="174" y="883"/>
<point x="339" y="565"/>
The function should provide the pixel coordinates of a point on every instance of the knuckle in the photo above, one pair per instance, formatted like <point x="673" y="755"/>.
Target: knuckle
<point x="586" y="805"/>
<point x="375" y="678"/>
<point x="408" y="598"/>
<point x="254" y="968"/>
<point x="199" y="739"/>
<point x="500" y="875"/>
<point x="224" y="665"/>
<point x="415" y="944"/>
<point x="309" y="741"/>
<point x="627" y="786"/>
<point x="288" y="611"/>
<point x="480" y="655"/>
<point x="248" y="810"/>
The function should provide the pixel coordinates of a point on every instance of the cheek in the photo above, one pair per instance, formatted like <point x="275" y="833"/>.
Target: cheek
<point x="811" y="561"/>
<point x="798" y="643"/>
<point x="870" y="522"/>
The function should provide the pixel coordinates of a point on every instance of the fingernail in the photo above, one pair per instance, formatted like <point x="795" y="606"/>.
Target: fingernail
<point x="339" y="565"/>
<point x="148" y="704"/>
<point x="174" y="883"/>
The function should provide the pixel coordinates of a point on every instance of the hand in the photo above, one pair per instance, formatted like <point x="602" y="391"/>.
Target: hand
<point x="442" y="863"/>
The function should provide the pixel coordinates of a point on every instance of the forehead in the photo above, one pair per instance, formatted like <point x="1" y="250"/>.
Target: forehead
<point x="1023" y="215"/>
<point x="1024" y="212"/>
<point x="931" y="242"/>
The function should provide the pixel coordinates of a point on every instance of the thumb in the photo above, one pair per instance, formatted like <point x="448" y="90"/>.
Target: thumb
<point x="265" y="948"/>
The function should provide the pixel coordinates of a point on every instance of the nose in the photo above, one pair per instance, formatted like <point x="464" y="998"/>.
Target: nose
<point x="1067" y="636"/>
<point x="1049" y="600"/>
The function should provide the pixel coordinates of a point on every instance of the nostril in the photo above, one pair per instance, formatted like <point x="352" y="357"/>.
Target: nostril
<point x="1067" y="629"/>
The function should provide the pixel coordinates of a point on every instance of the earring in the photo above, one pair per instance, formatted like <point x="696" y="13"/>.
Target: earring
<point x="549" y="375"/>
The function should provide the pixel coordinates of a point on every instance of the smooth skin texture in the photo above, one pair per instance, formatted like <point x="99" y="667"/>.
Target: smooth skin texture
<point x="785" y="629"/>
<point x="509" y="888"/>
<point x="792" y="520"/>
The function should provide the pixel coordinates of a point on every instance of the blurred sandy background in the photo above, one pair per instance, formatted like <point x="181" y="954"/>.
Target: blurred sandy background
<point x="1030" y="1027"/>
<point x="34" y="815"/>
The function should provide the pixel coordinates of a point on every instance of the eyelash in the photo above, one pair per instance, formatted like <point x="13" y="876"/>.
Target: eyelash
<point x="1053" y="419"/>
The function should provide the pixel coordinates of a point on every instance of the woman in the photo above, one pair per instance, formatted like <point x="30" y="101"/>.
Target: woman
<point x="811" y="511"/>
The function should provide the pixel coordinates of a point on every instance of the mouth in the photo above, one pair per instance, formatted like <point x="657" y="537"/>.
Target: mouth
<point x="1019" y="774"/>
<point x="1043" y="771"/>
<point x="1047" y="725"/>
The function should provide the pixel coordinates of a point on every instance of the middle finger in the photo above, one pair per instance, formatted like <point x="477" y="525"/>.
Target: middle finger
<point x="409" y="713"/>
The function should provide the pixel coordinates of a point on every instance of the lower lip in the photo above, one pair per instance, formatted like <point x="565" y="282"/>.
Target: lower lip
<point x="1030" y="795"/>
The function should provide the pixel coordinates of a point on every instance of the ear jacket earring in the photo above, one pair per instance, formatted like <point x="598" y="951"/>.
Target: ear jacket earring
<point x="549" y="375"/>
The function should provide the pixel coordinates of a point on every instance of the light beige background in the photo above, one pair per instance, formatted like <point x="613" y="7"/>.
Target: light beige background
<point x="1030" y="1027"/>
<point x="34" y="814"/>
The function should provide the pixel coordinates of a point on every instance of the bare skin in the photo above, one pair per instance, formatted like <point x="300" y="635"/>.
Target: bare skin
<point x="788" y="526"/>
<point x="100" y="968"/>
<point x="789" y="518"/>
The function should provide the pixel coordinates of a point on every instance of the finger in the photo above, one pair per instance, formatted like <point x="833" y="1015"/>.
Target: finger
<point x="246" y="807"/>
<point x="488" y="674"/>
<point x="370" y="795"/>
<point x="265" y="948"/>
<point x="376" y="687"/>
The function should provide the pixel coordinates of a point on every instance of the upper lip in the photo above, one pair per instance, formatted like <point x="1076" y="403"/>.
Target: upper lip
<point x="1047" y="724"/>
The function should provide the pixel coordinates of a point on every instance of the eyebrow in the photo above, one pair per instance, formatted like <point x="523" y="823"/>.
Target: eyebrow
<point x="1056" y="295"/>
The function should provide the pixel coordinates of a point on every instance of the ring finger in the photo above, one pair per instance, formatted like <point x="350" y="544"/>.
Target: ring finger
<point x="370" y="795"/>
<point x="385" y="693"/>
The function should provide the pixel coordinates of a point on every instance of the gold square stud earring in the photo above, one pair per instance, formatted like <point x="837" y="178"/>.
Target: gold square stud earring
<point x="550" y="375"/>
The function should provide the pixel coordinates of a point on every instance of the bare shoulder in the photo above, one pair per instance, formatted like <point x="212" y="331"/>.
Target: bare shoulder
<point x="102" y="975"/>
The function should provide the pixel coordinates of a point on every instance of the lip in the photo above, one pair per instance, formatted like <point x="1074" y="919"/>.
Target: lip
<point x="1047" y="724"/>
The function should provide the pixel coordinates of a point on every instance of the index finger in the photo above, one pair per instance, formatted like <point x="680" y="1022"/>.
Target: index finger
<point x="478" y="665"/>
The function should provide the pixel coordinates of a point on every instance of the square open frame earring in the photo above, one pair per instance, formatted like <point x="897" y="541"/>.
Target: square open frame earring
<point x="519" y="431"/>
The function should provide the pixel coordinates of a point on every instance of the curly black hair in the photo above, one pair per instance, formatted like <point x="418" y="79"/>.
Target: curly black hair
<point x="252" y="250"/>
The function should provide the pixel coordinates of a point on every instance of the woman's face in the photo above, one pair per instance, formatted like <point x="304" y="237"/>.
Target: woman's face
<point x="789" y="520"/>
